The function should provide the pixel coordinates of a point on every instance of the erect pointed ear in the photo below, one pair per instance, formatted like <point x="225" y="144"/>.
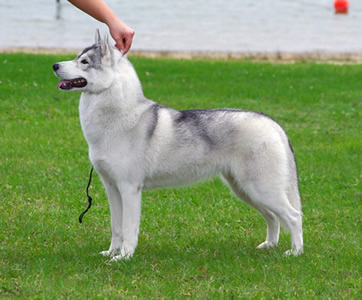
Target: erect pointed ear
<point x="106" y="48"/>
<point x="98" y="39"/>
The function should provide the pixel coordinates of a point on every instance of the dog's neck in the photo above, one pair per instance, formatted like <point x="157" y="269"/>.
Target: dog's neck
<point x="124" y="98"/>
<point x="125" y="90"/>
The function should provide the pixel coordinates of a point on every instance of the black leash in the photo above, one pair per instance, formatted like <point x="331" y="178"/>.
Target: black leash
<point x="89" y="197"/>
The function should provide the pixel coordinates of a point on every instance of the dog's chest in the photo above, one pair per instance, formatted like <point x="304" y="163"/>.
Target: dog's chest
<point x="107" y="128"/>
<point x="98" y="121"/>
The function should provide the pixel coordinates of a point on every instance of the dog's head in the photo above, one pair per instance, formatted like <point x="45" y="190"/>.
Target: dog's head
<point x="92" y="71"/>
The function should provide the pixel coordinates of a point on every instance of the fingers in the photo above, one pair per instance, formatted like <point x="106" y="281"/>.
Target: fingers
<point x="121" y="33"/>
<point x="124" y="41"/>
<point x="120" y="45"/>
<point x="128" y="42"/>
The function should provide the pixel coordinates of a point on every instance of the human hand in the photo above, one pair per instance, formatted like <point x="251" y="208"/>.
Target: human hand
<point x="122" y="34"/>
<point x="99" y="10"/>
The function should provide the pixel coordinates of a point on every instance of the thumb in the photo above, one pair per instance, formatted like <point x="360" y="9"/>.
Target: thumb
<point x="120" y="44"/>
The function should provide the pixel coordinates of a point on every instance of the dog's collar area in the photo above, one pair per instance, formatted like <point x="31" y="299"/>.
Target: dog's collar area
<point x="72" y="83"/>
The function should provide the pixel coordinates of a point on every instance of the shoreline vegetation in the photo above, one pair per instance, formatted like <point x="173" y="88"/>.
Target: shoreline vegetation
<point x="279" y="56"/>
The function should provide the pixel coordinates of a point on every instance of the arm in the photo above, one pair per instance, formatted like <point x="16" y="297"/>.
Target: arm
<point x="99" y="10"/>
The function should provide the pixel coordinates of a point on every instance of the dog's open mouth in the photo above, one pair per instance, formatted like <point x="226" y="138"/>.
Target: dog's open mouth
<point x="73" y="83"/>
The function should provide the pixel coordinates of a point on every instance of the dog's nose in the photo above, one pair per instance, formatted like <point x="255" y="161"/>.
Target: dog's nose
<point x="56" y="67"/>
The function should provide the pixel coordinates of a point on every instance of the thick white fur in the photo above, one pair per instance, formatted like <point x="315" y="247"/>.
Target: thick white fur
<point x="250" y="151"/>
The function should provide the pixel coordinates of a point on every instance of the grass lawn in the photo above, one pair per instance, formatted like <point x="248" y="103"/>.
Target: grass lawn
<point x="195" y="242"/>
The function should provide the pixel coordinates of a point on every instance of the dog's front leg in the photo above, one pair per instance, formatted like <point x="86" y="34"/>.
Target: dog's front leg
<point x="131" y="202"/>
<point x="115" y="206"/>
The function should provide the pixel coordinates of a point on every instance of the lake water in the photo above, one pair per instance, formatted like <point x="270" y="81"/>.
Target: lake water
<point x="201" y="25"/>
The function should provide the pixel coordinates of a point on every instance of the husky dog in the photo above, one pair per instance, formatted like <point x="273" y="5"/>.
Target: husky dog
<point x="135" y="143"/>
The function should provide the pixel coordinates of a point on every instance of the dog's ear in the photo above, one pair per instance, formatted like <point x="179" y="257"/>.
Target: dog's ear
<point x="98" y="40"/>
<point x="105" y="45"/>
<point x="107" y="48"/>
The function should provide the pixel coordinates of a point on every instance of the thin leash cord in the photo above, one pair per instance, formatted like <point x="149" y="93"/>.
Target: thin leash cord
<point x="89" y="197"/>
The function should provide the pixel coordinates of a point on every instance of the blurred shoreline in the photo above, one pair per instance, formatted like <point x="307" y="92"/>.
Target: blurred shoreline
<point x="327" y="57"/>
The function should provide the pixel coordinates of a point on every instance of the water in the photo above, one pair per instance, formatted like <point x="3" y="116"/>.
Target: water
<point x="201" y="25"/>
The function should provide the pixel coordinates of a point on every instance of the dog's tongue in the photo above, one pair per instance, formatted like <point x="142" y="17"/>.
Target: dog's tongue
<point x="65" y="84"/>
<point x="73" y="83"/>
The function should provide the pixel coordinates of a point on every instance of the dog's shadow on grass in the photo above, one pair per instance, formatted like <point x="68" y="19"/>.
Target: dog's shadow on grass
<point x="194" y="251"/>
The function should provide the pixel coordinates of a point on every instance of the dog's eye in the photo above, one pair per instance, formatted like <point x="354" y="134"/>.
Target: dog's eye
<point x="84" y="62"/>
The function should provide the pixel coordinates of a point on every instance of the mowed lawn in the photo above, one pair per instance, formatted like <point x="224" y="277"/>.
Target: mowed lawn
<point x="195" y="242"/>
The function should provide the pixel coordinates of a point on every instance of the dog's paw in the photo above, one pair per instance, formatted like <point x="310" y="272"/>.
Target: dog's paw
<point x="124" y="254"/>
<point x="106" y="253"/>
<point x="293" y="252"/>
<point x="110" y="252"/>
<point x="120" y="257"/>
<point x="267" y="245"/>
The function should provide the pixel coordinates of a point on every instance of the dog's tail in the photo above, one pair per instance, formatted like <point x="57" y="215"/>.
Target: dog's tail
<point x="294" y="196"/>
<point x="293" y="190"/>
<point x="293" y="187"/>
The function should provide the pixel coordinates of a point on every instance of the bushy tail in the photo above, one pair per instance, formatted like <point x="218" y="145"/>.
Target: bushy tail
<point x="294" y="197"/>
<point x="293" y="191"/>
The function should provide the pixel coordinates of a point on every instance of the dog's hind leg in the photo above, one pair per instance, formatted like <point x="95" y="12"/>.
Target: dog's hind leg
<point x="274" y="199"/>
<point x="292" y="218"/>
<point x="272" y="236"/>
<point x="273" y="224"/>
<point x="131" y="204"/>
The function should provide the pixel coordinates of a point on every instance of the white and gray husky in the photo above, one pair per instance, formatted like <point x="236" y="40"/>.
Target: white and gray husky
<point x="135" y="143"/>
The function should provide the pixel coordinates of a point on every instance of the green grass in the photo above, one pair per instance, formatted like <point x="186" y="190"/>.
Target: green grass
<point x="195" y="242"/>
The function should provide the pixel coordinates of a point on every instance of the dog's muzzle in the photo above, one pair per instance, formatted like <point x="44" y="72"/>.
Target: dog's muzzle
<point x="68" y="84"/>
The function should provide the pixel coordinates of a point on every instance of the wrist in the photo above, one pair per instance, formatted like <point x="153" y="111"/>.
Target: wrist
<point x="110" y="19"/>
